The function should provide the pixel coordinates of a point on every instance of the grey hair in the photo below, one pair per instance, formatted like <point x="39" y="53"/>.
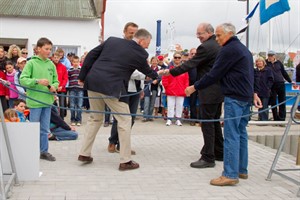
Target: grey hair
<point x="143" y="34"/>
<point x="228" y="27"/>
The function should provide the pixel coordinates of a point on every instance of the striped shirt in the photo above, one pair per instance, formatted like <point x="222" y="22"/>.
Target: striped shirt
<point x="73" y="74"/>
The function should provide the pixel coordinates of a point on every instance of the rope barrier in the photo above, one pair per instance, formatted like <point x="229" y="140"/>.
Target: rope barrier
<point x="7" y="83"/>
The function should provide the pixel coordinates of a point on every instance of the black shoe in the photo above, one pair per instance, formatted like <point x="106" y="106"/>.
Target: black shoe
<point x="47" y="156"/>
<point x="202" y="164"/>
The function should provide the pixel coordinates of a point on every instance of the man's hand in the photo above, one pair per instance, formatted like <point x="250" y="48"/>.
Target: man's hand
<point x="164" y="72"/>
<point x="59" y="88"/>
<point x="257" y="101"/>
<point x="189" y="90"/>
<point x="142" y="94"/>
<point x="81" y="83"/>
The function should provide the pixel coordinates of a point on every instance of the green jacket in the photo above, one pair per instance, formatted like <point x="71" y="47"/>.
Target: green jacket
<point x="37" y="68"/>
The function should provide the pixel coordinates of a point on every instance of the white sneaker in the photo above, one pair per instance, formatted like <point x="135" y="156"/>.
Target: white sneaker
<point x="178" y="123"/>
<point x="169" y="122"/>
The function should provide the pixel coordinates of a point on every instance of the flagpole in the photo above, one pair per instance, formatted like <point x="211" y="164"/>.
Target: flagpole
<point x="270" y="35"/>
<point x="247" y="31"/>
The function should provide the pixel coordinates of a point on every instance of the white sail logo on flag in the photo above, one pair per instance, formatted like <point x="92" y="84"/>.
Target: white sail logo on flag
<point x="270" y="2"/>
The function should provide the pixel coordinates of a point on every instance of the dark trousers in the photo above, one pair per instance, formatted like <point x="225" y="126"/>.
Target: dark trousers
<point x="278" y="91"/>
<point x="212" y="132"/>
<point x="264" y="116"/>
<point x="133" y="103"/>
<point x="86" y="102"/>
<point x="193" y="106"/>
<point x="4" y="103"/>
<point x="107" y="115"/>
<point x="62" y="103"/>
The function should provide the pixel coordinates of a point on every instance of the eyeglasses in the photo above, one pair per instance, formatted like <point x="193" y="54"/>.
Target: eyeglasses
<point x="200" y="33"/>
<point x="24" y="53"/>
<point x="177" y="57"/>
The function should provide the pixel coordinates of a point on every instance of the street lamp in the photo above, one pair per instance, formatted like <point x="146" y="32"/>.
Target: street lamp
<point x="247" y="31"/>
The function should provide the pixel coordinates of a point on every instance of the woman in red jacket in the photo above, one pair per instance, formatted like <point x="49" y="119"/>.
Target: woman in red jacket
<point x="175" y="87"/>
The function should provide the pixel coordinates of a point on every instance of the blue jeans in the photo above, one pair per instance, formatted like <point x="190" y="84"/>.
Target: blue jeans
<point x="76" y="103"/>
<point x="149" y="104"/>
<point x="63" y="134"/>
<point x="42" y="115"/>
<point x="235" y="137"/>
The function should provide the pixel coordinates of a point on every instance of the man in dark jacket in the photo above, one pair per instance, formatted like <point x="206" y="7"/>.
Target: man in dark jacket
<point x="106" y="72"/>
<point x="278" y="88"/>
<point x="210" y="98"/>
<point x="234" y="69"/>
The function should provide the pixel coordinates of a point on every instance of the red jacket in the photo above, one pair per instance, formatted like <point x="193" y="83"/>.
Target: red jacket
<point x="4" y="91"/>
<point x="62" y="74"/>
<point x="175" y="85"/>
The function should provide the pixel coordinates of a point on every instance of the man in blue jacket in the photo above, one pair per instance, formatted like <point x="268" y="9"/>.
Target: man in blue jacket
<point x="234" y="69"/>
<point x="278" y="88"/>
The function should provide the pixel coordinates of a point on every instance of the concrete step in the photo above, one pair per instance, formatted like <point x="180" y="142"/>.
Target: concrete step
<point x="273" y="141"/>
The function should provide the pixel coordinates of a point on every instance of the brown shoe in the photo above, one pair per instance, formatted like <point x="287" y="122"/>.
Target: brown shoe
<point x="243" y="176"/>
<point x="111" y="148"/>
<point x="192" y="123"/>
<point x="128" y="166"/>
<point x="86" y="159"/>
<point x="223" y="181"/>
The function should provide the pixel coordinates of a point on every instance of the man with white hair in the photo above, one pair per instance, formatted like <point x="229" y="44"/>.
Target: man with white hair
<point x="233" y="67"/>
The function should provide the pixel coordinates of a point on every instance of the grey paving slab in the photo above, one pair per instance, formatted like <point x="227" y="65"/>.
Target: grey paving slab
<point x="164" y="154"/>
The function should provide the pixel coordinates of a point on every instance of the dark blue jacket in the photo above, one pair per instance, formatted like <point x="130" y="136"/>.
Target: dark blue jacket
<point x="278" y="72"/>
<point x="234" y="68"/>
<point x="107" y="68"/>
<point x="265" y="81"/>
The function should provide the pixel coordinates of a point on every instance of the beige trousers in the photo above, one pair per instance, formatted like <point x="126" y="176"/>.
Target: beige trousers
<point x="95" y="121"/>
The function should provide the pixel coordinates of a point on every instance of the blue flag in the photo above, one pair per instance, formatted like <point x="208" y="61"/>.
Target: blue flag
<point x="272" y="8"/>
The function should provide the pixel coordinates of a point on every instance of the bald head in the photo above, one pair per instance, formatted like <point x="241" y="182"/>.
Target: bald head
<point x="204" y="31"/>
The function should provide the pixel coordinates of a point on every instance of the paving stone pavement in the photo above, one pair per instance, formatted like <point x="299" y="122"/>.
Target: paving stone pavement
<point x="164" y="154"/>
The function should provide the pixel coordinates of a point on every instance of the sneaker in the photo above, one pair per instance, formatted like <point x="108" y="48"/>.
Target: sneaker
<point x="178" y="122"/>
<point x="128" y="166"/>
<point x="51" y="137"/>
<point x="73" y="124"/>
<point x="47" y="156"/>
<point x="78" y="124"/>
<point x="169" y="122"/>
<point x="224" y="181"/>
<point x="106" y="124"/>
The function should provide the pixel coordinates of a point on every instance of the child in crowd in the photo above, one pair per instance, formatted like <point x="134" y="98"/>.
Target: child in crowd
<point x="20" y="107"/>
<point x="21" y="62"/>
<point x="4" y="92"/>
<point x="10" y="76"/>
<point x="60" y="130"/>
<point x="76" y="92"/>
<point x="10" y="115"/>
<point x="40" y="74"/>
<point x="62" y="74"/>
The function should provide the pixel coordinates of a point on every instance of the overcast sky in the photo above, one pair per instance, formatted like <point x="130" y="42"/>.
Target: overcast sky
<point x="185" y="15"/>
